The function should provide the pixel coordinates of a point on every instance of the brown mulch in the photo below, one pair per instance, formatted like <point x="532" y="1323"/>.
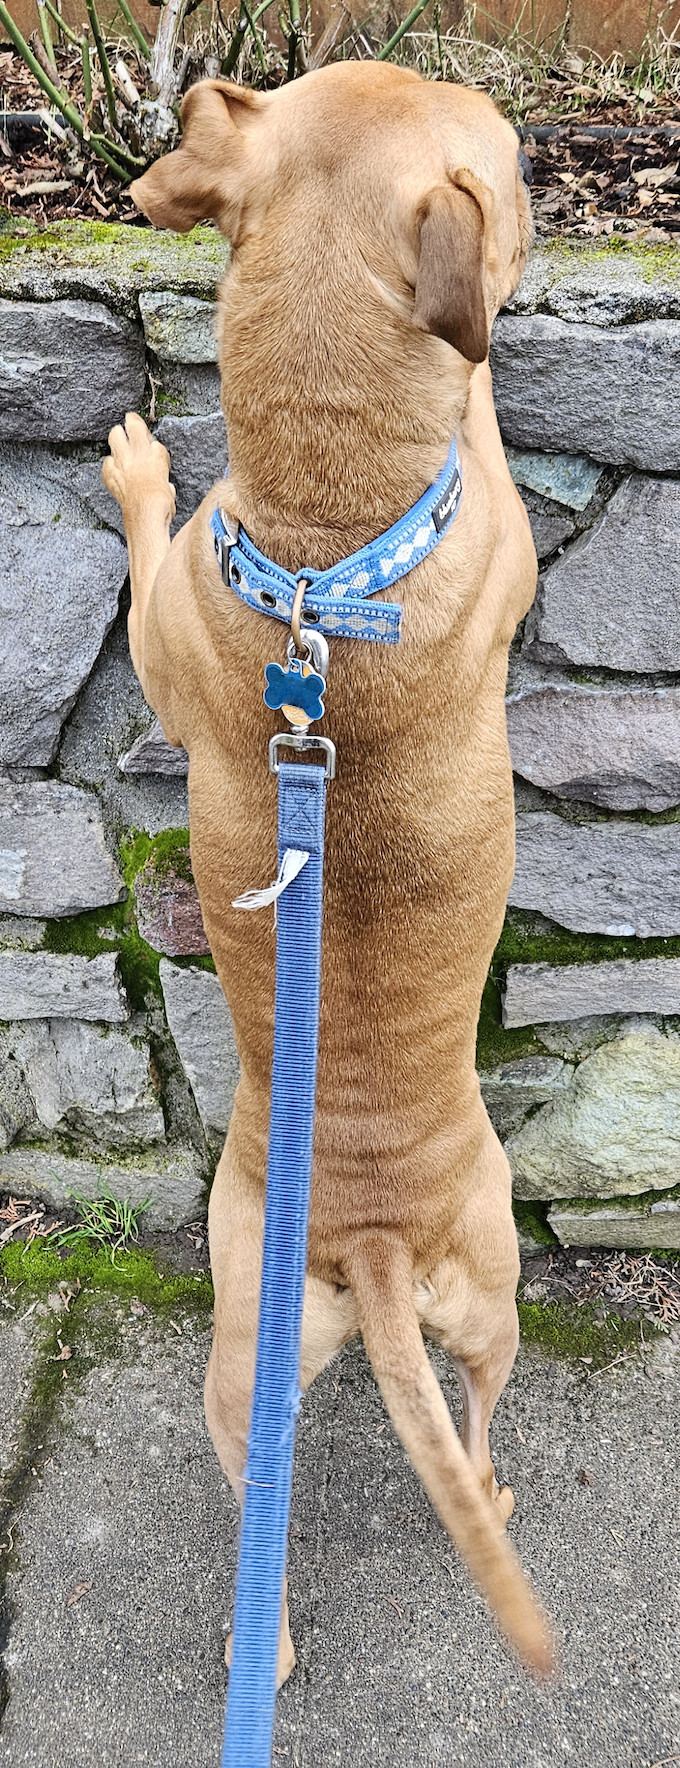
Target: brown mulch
<point x="631" y="1283"/>
<point x="83" y="189"/>
<point x="581" y="188"/>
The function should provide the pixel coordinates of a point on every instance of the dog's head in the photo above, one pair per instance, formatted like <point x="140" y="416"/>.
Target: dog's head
<point x="423" y="177"/>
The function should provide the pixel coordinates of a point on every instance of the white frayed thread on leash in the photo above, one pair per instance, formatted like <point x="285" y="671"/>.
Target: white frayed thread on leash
<point x="292" y="863"/>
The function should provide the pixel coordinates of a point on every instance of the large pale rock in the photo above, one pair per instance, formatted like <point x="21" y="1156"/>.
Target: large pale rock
<point x="171" y="1179"/>
<point x="53" y="856"/>
<point x="514" y="1089"/>
<point x="618" y="878"/>
<point x="571" y="479"/>
<point x="88" y="1079"/>
<point x="618" y="1224"/>
<point x="20" y="933"/>
<point x="17" y="1108"/>
<point x="615" y="1133"/>
<point x="48" y="985"/>
<point x="614" y="395"/>
<point x="68" y="370"/>
<point x="617" y="747"/>
<point x="613" y="599"/>
<point x="40" y="484"/>
<point x="200" y="1023"/>
<point x="169" y="912"/>
<point x="198" y="456"/>
<point x="114" y="265"/>
<point x="59" y="591"/>
<point x="545" y="992"/>
<point x="152" y="753"/>
<point x="108" y="713"/>
<point x="610" y="284"/>
<point x="179" y="328"/>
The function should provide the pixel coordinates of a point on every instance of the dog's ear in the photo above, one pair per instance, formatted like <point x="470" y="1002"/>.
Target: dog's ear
<point x="456" y="251"/>
<point x="205" y="178"/>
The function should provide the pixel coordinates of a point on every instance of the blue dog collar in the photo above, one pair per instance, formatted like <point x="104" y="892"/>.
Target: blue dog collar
<point x="336" y="600"/>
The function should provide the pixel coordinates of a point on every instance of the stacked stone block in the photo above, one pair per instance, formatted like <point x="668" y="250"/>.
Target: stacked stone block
<point x="117" y="1059"/>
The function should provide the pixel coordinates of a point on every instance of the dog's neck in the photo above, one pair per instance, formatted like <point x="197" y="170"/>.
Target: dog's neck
<point x="338" y="420"/>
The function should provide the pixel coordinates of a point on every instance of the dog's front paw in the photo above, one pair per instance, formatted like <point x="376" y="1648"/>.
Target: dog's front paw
<point x="286" y="1658"/>
<point x="138" y="467"/>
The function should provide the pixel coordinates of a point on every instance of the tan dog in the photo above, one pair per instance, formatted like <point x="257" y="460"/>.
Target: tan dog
<point x="377" y="223"/>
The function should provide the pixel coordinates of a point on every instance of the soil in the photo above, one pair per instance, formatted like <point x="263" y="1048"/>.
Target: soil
<point x="581" y="187"/>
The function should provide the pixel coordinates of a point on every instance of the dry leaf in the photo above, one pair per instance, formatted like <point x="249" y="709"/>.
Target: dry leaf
<point x="64" y="1354"/>
<point x="654" y="176"/>
<point x="78" y="1591"/>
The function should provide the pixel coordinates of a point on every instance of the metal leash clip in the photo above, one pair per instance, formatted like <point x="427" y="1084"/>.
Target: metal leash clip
<point x="224" y="542"/>
<point x="298" y="689"/>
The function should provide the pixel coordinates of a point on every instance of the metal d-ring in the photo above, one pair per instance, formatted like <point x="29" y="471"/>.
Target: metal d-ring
<point x="305" y="640"/>
<point x="296" y="611"/>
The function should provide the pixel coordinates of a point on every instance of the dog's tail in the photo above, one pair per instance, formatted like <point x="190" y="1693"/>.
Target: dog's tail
<point x="378" y="1271"/>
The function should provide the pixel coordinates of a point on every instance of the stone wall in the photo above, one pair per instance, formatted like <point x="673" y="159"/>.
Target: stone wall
<point x="116" y="1053"/>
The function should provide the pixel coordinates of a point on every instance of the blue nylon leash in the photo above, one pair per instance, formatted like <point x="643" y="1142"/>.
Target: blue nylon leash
<point x="262" y="1558"/>
<point x="332" y="602"/>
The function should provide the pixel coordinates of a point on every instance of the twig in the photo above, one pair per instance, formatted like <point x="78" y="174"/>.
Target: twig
<point x="664" y="1760"/>
<point x="623" y="1357"/>
<point x="133" y="26"/>
<point x="46" y="33"/>
<point x="403" y="28"/>
<point x="21" y="1223"/>
<point x="103" y="62"/>
<point x="87" y="74"/>
<point x="49" y="67"/>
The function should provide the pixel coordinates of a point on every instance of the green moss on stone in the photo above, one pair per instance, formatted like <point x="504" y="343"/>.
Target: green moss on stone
<point x="85" y="933"/>
<point x="652" y="261"/>
<point x="531" y="1218"/>
<point x="166" y="851"/>
<point x="115" y="929"/>
<point x="579" y="1332"/>
<point x="40" y="1267"/>
<point x="107" y="261"/>
<point x="530" y="939"/>
<point x="494" y="1045"/>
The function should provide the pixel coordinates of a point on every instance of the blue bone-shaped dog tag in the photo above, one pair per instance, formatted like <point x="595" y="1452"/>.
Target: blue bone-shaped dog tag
<point x="289" y="687"/>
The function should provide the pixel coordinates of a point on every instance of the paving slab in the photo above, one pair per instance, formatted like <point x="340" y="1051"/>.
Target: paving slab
<point x="398" y="1662"/>
<point x="17" y="1355"/>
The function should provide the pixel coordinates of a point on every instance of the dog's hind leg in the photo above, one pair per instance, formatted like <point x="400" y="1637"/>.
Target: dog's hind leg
<point x="236" y="1221"/>
<point x="469" y="1307"/>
